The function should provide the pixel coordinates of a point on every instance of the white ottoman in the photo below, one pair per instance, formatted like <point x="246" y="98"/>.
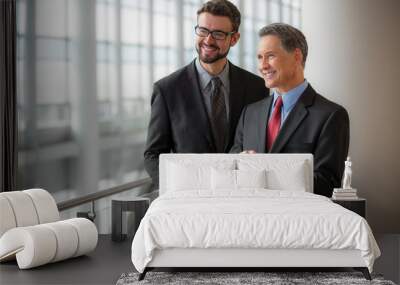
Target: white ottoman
<point x="31" y="232"/>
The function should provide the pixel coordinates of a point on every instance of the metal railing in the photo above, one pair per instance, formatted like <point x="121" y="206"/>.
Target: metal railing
<point x="90" y="198"/>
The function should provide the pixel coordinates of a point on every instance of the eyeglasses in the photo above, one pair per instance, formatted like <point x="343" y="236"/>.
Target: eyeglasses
<point x="217" y="35"/>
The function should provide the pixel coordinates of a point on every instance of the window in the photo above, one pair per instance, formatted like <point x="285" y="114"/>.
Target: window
<point x="85" y="71"/>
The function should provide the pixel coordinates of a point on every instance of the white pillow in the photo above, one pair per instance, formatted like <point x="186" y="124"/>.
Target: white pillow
<point x="251" y="178"/>
<point x="182" y="177"/>
<point x="293" y="179"/>
<point x="223" y="179"/>
<point x="280" y="174"/>
<point x="226" y="179"/>
<point x="190" y="171"/>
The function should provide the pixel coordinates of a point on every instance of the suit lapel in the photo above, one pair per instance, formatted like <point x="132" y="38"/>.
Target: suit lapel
<point x="236" y="99"/>
<point x="196" y="103"/>
<point x="294" y="119"/>
<point x="262" y="120"/>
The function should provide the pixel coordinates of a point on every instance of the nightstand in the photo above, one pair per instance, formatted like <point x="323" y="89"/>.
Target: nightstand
<point x="357" y="205"/>
<point x="138" y="205"/>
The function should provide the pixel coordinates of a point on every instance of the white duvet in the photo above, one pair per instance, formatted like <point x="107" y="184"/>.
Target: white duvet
<point x="252" y="218"/>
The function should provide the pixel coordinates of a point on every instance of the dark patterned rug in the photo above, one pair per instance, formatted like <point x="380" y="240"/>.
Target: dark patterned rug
<point x="243" y="278"/>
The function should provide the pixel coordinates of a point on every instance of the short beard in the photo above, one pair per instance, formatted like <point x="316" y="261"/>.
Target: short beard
<point x="212" y="59"/>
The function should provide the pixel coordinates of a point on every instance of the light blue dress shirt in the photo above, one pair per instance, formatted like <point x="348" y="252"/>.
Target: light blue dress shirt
<point x="289" y="99"/>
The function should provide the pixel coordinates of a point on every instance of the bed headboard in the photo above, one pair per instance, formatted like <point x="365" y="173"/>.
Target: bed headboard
<point x="283" y="164"/>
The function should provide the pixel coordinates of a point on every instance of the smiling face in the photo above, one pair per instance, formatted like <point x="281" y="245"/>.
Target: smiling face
<point x="209" y="49"/>
<point x="280" y="69"/>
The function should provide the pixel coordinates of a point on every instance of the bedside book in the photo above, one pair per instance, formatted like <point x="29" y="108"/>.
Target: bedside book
<point x="340" y="190"/>
<point x="344" y="194"/>
<point x="334" y="197"/>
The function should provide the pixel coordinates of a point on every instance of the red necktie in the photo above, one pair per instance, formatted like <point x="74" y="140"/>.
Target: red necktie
<point x="274" y="123"/>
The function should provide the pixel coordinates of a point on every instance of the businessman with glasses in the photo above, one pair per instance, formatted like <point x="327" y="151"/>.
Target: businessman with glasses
<point x="196" y="109"/>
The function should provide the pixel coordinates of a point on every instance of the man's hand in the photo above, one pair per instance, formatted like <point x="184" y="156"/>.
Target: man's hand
<point x="248" y="151"/>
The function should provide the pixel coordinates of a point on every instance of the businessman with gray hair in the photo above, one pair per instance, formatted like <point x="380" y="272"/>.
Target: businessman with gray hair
<point x="295" y="119"/>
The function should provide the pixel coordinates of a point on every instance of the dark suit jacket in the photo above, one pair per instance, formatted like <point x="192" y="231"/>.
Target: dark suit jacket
<point x="315" y="125"/>
<point x="179" y="121"/>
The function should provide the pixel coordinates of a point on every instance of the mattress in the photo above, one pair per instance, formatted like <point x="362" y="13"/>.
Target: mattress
<point x="250" y="219"/>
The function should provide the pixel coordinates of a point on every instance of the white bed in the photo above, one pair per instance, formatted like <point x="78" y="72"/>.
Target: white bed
<point x="233" y="210"/>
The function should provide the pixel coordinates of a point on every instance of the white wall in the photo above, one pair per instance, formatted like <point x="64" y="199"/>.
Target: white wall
<point x="354" y="59"/>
